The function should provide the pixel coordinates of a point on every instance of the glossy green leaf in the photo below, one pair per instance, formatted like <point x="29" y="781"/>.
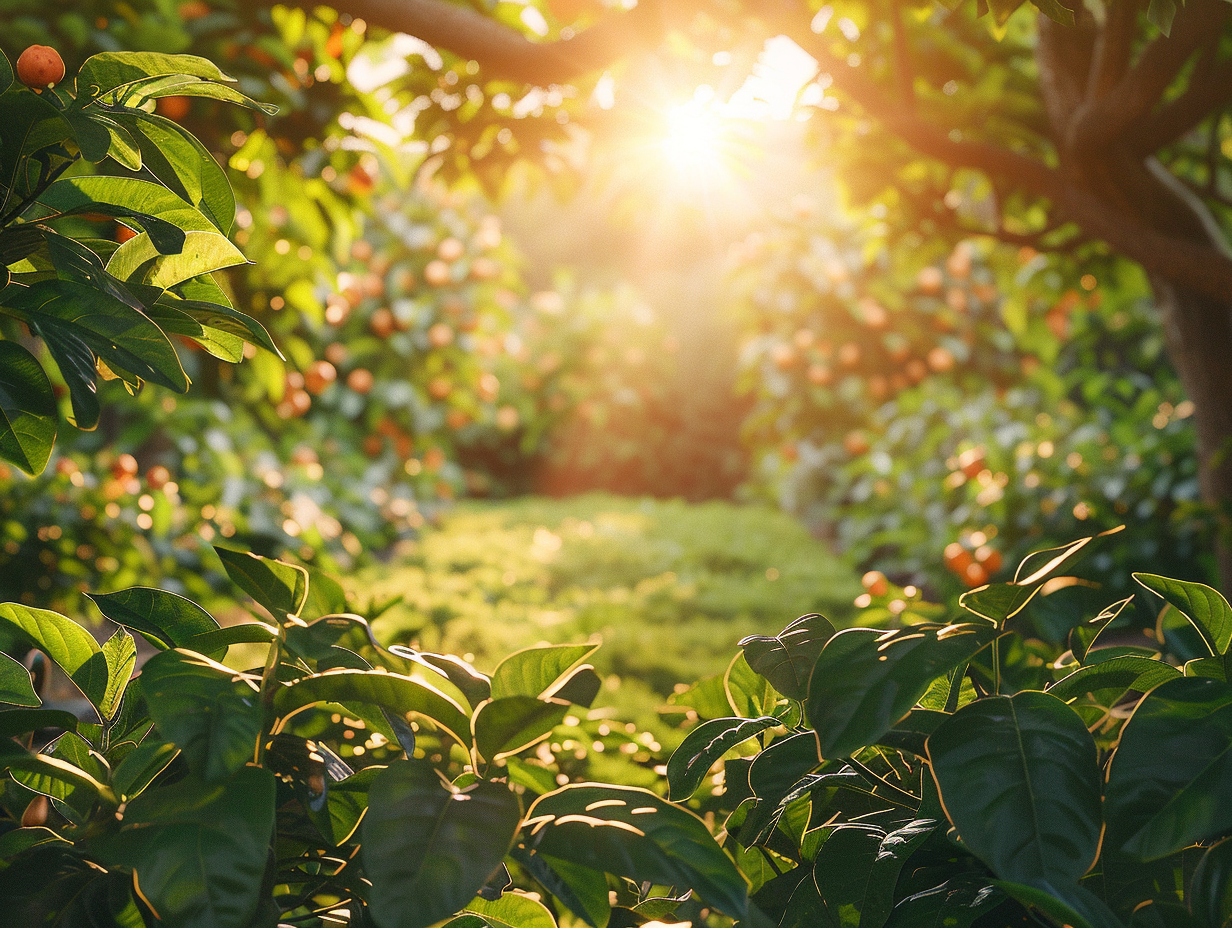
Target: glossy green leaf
<point x="998" y="602"/>
<point x="402" y="695"/>
<point x="1170" y="780"/>
<point x="787" y="659"/>
<point x="165" y="216"/>
<point x="1210" y="890"/>
<point x="1068" y="905"/>
<point x="6" y="73"/>
<point x="214" y="644"/>
<point x="512" y="910"/>
<point x="107" y="71"/>
<point x="956" y="903"/>
<point x="28" y="413"/>
<point x="55" y="777"/>
<point x="164" y="619"/>
<point x="579" y="686"/>
<point x="702" y="748"/>
<point x="121" y="336"/>
<point x="1204" y="607"/>
<point x="633" y="833"/>
<point x="531" y="671"/>
<point x="140" y="766"/>
<point x="512" y="724"/>
<point x="912" y="731"/>
<point x="203" y="253"/>
<point x="1117" y="675"/>
<point x="778" y="768"/>
<point x="208" y="711"/>
<point x="1211" y="667"/>
<point x="187" y="87"/>
<point x="428" y="847"/>
<point x="581" y="890"/>
<point x="866" y="680"/>
<point x="279" y="587"/>
<point x="181" y="162"/>
<point x="1020" y="780"/>
<point x="198" y="850"/>
<point x="120" y="652"/>
<point x="15" y="722"/>
<point x="65" y="643"/>
<point x="1083" y="637"/>
<point x="16" y="687"/>
<point x="345" y="805"/>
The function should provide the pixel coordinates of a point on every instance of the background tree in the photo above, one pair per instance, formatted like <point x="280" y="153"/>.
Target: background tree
<point x="1097" y="131"/>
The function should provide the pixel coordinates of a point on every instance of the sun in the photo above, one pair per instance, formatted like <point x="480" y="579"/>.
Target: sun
<point x="694" y="137"/>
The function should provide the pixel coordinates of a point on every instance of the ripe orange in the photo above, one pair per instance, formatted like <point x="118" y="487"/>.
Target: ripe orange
<point x="439" y="388"/>
<point x="382" y="323"/>
<point x="941" y="360"/>
<point x="930" y="280"/>
<point x="856" y="443"/>
<point x="957" y="558"/>
<point x="989" y="557"/>
<point x="360" y="380"/>
<point x="436" y="273"/>
<point x="876" y="583"/>
<point x="440" y="335"/>
<point x="40" y="66"/>
<point x="123" y="233"/>
<point x="174" y="108"/>
<point x="450" y="249"/>
<point x="320" y="374"/>
<point x="975" y="575"/>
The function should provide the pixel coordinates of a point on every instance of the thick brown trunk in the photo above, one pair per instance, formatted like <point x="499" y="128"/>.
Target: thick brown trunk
<point x="1199" y="333"/>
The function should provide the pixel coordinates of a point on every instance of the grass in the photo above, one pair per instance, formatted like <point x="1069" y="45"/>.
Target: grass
<point x="669" y="588"/>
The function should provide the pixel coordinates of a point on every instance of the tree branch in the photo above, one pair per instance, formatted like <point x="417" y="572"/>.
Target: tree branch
<point x="1136" y="94"/>
<point x="1113" y="48"/>
<point x="505" y="52"/>
<point x="1208" y="93"/>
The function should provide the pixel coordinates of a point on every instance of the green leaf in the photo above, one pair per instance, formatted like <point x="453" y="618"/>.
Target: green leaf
<point x="427" y="846"/>
<point x="1055" y="11"/>
<point x="1071" y="905"/>
<point x="176" y="158"/>
<point x="1117" y="675"/>
<point x="140" y="766"/>
<point x="512" y="724"/>
<point x="780" y="767"/>
<point x="1082" y="638"/>
<point x="1161" y="13"/>
<point x="208" y="711"/>
<point x="998" y="602"/>
<point x="345" y="805"/>
<point x="54" y="776"/>
<point x="955" y="903"/>
<point x="198" y="850"/>
<point x="121" y="336"/>
<point x="1020" y="780"/>
<point x="866" y="680"/>
<point x="400" y="694"/>
<point x="31" y="125"/>
<point x="203" y="253"/>
<point x="65" y="643"/>
<point x="164" y="619"/>
<point x="214" y="644"/>
<point x="165" y="216"/>
<point x="1210" y="890"/>
<point x="187" y="87"/>
<point x="280" y="588"/>
<point x="6" y="73"/>
<point x="531" y="671"/>
<point x="1205" y="608"/>
<point x="703" y="746"/>
<point x="16" y="687"/>
<point x="120" y="652"/>
<point x="787" y="659"/>
<point x="109" y="70"/>
<point x="15" y="722"/>
<point x="581" y="890"/>
<point x="512" y="910"/>
<point x="1170" y="780"/>
<point x="633" y="833"/>
<point x="28" y="413"/>
<point x="579" y="686"/>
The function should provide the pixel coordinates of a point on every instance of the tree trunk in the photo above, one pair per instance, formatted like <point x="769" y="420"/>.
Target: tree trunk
<point x="1199" y="335"/>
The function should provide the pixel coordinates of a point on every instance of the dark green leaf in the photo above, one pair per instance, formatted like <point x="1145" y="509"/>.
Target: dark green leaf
<point x="1210" y="891"/>
<point x="163" y="619"/>
<point x="579" y="686"/>
<point x="1068" y="905"/>
<point x="1117" y="676"/>
<point x="198" y="850"/>
<point x="6" y="73"/>
<point x="28" y="413"/>
<point x="703" y="746"/>
<point x="15" y="722"/>
<point x="1083" y="637"/>
<point x="1020" y="781"/>
<point x="633" y="833"/>
<point x="65" y="643"/>
<point x="581" y="890"/>
<point x="998" y="602"/>
<point x="205" y="709"/>
<point x="531" y="671"/>
<point x="31" y="124"/>
<point x="956" y="903"/>
<point x="400" y="694"/>
<point x="866" y="680"/>
<point x="512" y="724"/>
<point x="1170" y="781"/>
<point x="1204" y="607"/>
<point x="780" y="767"/>
<point x="787" y="659"/>
<point x="281" y="588"/>
<point x="345" y="804"/>
<point x="16" y="687"/>
<point x="428" y="847"/>
<point x="140" y="766"/>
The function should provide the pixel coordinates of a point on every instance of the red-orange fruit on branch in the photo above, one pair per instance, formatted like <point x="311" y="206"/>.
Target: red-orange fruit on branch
<point x="40" y="66"/>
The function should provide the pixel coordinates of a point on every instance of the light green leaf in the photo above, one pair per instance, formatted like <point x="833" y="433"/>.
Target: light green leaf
<point x="203" y="253"/>
<point x="28" y="413"/>
<point x="165" y="216"/>
<point x="512" y="910"/>
<point x="120" y="652"/>
<point x="106" y="71"/>
<point x="531" y="671"/>
<point x="1205" y="608"/>
<point x="65" y="643"/>
<point x="428" y="847"/>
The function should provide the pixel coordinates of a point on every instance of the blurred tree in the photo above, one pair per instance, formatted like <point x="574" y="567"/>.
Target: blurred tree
<point x="1099" y="130"/>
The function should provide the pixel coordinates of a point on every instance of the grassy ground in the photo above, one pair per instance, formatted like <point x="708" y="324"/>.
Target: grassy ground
<point x="668" y="587"/>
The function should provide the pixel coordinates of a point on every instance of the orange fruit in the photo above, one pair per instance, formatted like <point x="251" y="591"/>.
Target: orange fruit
<point x="957" y="558"/>
<point x="320" y="374"/>
<point x="40" y="66"/>
<point x="930" y="280"/>
<point x="382" y="323"/>
<point x="440" y="335"/>
<point x="856" y="443"/>
<point x="360" y="380"/>
<point x="941" y="360"/>
<point x="439" y="388"/>
<point x="450" y="249"/>
<point x="436" y="273"/>
<point x="174" y="108"/>
<point x="876" y="583"/>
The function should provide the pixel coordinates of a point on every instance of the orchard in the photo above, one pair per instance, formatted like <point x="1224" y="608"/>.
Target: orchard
<point x="580" y="463"/>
